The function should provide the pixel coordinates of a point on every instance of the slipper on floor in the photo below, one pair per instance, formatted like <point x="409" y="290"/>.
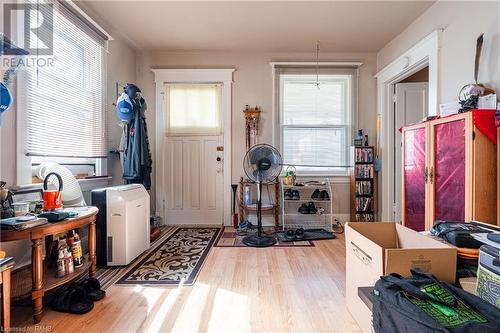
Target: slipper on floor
<point x="73" y="300"/>
<point x="300" y="233"/>
<point x="93" y="288"/>
<point x="290" y="234"/>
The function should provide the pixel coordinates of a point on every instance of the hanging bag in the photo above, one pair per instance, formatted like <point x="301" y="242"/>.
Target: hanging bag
<point x="421" y="303"/>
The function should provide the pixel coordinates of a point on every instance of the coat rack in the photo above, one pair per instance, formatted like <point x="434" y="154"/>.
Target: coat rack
<point x="252" y="117"/>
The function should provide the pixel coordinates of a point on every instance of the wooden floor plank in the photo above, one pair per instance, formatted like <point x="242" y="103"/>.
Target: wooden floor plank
<point x="297" y="289"/>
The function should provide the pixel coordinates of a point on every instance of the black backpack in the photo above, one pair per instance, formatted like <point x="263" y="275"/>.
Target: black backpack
<point x="421" y="303"/>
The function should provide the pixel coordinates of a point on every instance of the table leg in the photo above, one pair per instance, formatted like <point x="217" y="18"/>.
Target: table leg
<point x="37" y="279"/>
<point x="6" y="300"/>
<point x="92" y="254"/>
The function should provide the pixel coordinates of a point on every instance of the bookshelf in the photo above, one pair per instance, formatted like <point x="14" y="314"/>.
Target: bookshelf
<point x="362" y="184"/>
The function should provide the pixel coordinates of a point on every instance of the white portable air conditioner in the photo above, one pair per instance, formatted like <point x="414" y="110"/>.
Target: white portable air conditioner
<point x="122" y="224"/>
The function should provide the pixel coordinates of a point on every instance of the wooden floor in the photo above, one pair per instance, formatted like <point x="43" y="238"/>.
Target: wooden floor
<point x="238" y="290"/>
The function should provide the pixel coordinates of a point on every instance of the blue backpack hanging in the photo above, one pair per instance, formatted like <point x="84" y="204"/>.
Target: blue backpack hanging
<point x="5" y="100"/>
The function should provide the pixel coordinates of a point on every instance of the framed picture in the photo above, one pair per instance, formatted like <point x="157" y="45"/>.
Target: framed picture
<point x="119" y="89"/>
<point x="26" y="195"/>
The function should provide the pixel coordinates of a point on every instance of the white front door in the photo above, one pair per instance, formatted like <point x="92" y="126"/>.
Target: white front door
<point x="410" y="108"/>
<point x="193" y="177"/>
<point x="193" y="154"/>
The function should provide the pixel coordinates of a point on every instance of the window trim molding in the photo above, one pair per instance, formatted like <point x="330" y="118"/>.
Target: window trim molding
<point x="81" y="14"/>
<point x="276" y="102"/>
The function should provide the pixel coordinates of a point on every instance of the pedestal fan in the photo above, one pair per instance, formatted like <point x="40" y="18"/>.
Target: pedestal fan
<point x="262" y="164"/>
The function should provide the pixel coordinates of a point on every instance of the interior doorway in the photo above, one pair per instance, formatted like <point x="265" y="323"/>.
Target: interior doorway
<point x="423" y="54"/>
<point x="410" y="97"/>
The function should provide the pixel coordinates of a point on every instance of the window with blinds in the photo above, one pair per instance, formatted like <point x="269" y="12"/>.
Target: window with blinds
<point x="64" y="102"/>
<point x="315" y="120"/>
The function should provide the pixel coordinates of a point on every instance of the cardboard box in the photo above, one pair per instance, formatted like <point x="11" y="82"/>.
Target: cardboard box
<point x="380" y="248"/>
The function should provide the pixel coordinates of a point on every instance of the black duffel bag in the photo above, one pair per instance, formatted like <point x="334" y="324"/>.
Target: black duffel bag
<point x="421" y="303"/>
<point x="458" y="233"/>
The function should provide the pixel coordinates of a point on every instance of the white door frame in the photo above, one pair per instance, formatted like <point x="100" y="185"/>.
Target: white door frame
<point x="424" y="53"/>
<point x="224" y="76"/>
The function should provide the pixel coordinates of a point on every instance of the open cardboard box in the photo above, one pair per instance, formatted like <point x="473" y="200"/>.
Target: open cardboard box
<point x="374" y="249"/>
<point x="392" y="248"/>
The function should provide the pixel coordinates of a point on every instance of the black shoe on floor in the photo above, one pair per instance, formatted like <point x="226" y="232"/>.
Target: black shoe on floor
<point x="295" y="195"/>
<point x="324" y="195"/>
<point x="287" y="195"/>
<point x="316" y="194"/>
<point x="300" y="233"/>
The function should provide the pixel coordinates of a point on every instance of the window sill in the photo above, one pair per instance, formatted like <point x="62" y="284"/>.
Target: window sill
<point x="86" y="184"/>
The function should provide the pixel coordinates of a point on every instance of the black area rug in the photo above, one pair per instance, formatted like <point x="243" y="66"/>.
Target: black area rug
<point x="230" y="238"/>
<point x="309" y="235"/>
<point x="177" y="261"/>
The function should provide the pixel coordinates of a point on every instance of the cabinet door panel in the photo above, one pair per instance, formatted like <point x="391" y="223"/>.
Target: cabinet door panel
<point x="449" y="170"/>
<point x="414" y="178"/>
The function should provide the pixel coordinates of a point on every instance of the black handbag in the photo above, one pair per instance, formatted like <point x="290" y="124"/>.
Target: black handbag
<point x="421" y="303"/>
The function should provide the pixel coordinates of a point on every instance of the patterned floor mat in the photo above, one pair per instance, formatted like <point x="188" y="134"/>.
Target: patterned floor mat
<point x="177" y="261"/>
<point x="107" y="276"/>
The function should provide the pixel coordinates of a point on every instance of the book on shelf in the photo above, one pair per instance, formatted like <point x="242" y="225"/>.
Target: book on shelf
<point x="364" y="204"/>
<point x="363" y="155"/>
<point x="363" y="171"/>
<point x="14" y="223"/>
<point x="363" y="187"/>
<point x="362" y="217"/>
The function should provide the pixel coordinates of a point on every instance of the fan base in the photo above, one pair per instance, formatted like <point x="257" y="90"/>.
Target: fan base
<point x="256" y="241"/>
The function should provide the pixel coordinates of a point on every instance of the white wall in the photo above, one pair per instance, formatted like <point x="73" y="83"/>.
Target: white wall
<point x="253" y="85"/>
<point x="462" y="23"/>
<point x="121" y="68"/>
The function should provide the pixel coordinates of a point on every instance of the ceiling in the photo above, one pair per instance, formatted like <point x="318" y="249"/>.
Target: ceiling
<point x="279" y="26"/>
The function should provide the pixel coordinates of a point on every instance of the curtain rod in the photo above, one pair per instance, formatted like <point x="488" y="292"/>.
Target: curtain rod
<point x="350" y="64"/>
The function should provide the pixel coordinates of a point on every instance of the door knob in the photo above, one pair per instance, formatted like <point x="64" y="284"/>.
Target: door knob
<point x="218" y="159"/>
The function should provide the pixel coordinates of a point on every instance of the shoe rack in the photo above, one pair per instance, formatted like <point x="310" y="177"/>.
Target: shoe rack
<point x="290" y="215"/>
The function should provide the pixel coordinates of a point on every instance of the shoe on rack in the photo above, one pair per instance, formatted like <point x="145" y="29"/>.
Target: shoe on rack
<point x="324" y="195"/>
<point x="316" y="194"/>
<point x="304" y="209"/>
<point x="287" y="195"/>
<point x="312" y="209"/>
<point x="295" y="195"/>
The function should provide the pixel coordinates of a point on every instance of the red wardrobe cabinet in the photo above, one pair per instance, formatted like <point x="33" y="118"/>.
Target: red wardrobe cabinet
<point x="449" y="170"/>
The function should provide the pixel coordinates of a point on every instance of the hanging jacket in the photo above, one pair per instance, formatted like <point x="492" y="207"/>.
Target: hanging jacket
<point x="137" y="161"/>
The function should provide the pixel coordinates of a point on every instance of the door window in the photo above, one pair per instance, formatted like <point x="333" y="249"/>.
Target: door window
<point x="193" y="109"/>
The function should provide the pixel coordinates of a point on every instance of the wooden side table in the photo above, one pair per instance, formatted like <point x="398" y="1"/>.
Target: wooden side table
<point x="5" y="282"/>
<point x="43" y="278"/>
<point x="244" y="210"/>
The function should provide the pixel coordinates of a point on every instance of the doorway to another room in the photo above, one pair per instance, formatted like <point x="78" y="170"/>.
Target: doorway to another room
<point x="410" y="97"/>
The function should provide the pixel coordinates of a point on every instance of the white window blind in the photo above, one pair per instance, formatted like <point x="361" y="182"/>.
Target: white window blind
<point x="64" y="102"/>
<point x="193" y="109"/>
<point x="316" y="122"/>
